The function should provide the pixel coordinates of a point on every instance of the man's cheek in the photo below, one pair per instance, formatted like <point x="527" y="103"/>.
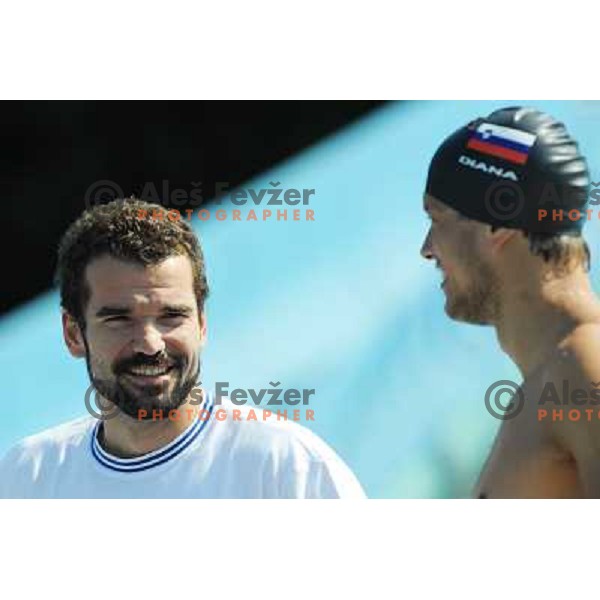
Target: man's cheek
<point x="104" y="367"/>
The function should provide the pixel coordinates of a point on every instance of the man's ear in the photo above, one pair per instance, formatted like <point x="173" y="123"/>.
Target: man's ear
<point x="202" y="321"/>
<point x="72" y="335"/>
<point x="500" y="236"/>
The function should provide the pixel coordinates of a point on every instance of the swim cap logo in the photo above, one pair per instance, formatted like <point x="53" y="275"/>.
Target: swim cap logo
<point x="479" y="165"/>
<point x="506" y="143"/>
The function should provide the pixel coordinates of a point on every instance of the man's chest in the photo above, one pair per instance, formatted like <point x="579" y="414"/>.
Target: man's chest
<point x="525" y="462"/>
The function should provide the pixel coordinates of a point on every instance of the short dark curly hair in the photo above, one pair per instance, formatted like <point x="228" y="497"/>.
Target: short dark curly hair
<point x="118" y="229"/>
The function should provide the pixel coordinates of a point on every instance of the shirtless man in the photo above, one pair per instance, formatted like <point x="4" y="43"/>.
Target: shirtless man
<point x="506" y="264"/>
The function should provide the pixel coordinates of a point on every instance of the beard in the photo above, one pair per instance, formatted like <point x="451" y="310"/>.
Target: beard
<point x="479" y="303"/>
<point x="132" y="398"/>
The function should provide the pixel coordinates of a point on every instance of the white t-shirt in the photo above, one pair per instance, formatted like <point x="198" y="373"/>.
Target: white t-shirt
<point x="212" y="458"/>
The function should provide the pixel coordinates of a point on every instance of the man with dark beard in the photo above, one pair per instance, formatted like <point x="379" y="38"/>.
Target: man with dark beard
<point x="133" y="290"/>
<point x="506" y="196"/>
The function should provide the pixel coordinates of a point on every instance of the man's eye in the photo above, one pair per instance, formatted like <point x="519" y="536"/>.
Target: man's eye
<point x="116" y="319"/>
<point x="173" y="315"/>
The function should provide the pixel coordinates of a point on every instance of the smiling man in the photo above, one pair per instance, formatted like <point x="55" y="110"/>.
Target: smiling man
<point x="132" y="293"/>
<point x="490" y="189"/>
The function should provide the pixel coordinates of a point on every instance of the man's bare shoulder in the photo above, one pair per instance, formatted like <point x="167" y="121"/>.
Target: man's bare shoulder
<point x="579" y="353"/>
<point x="584" y="334"/>
<point x="575" y="371"/>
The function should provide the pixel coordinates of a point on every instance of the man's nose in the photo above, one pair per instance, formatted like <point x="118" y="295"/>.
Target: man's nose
<point x="148" y="340"/>
<point x="426" y="249"/>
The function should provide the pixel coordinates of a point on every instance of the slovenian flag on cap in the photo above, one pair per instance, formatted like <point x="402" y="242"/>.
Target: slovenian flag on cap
<point x="510" y="144"/>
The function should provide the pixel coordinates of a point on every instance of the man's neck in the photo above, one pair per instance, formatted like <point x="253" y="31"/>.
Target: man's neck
<point x="535" y="319"/>
<point x="127" y="437"/>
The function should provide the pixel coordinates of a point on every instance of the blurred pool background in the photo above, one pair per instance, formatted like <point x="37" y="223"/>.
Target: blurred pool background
<point x="344" y="305"/>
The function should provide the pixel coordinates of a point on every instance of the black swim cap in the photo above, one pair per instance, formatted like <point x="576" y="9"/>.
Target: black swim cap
<point x="503" y="169"/>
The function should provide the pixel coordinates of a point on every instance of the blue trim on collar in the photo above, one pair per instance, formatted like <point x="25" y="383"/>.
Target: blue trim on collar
<point x="157" y="457"/>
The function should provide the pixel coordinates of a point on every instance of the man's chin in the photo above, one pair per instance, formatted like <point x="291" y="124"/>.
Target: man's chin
<point x="148" y="409"/>
<point x="144" y="400"/>
<point x="459" y="311"/>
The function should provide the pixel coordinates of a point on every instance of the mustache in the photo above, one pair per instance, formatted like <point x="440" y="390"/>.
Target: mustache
<point x="143" y="360"/>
